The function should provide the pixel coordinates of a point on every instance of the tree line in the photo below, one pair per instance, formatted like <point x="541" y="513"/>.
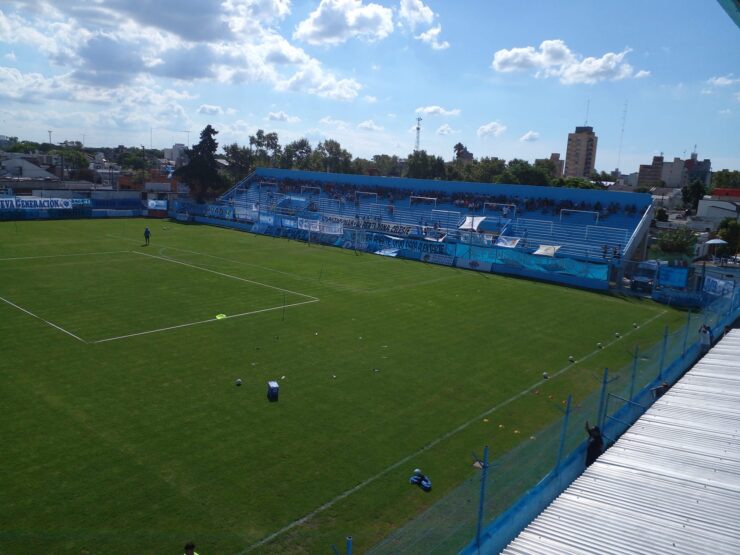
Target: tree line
<point x="207" y="178"/>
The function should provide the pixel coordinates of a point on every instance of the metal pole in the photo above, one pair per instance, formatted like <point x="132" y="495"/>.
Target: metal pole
<point x="564" y="432"/>
<point x="483" y="478"/>
<point x="634" y="372"/>
<point x="349" y="545"/>
<point x="602" y="397"/>
<point x="686" y="334"/>
<point x="662" y="352"/>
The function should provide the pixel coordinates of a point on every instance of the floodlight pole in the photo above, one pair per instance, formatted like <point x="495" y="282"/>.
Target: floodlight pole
<point x="686" y="333"/>
<point x="602" y="398"/>
<point x="566" y="418"/>
<point x="662" y="352"/>
<point x="483" y="479"/>
<point x="634" y="372"/>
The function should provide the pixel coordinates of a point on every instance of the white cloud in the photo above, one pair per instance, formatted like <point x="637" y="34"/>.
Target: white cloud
<point x="113" y="43"/>
<point x="10" y="56"/>
<point x="210" y="110"/>
<point x="415" y="12"/>
<point x="431" y="37"/>
<point x="437" y="111"/>
<point x="553" y="58"/>
<point x="335" y="21"/>
<point x="337" y="123"/>
<point x="725" y="112"/>
<point x="313" y="79"/>
<point x="445" y="129"/>
<point x="282" y="116"/>
<point x="723" y="81"/>
<point x="370" y="99"/>
<point x="392" y="115"/>
<point x="529" y="137"/>
<point x="491" y="129"/>
<point x="370" y="125"/>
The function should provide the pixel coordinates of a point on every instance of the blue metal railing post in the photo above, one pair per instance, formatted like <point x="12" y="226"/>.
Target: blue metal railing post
<point x="602" y="398"/>
<point x="662" y="352"/>
<point x="634" y="372"/>
<point x="349" y="545"/>
<point x="563" y="433"/>
<point x="686" y="334"/>
<point x="483" y="478"/>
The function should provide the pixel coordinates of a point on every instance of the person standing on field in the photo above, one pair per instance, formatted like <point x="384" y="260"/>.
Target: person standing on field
<point x="147" y="234"/>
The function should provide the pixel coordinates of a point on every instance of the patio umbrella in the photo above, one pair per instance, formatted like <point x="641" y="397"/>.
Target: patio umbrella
<point x="716" y="241"/>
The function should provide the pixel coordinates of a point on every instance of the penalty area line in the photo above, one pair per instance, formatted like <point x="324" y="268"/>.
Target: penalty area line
<point x="226" y="275"/>
<point x="431" y="445"/>
<point x="281" y="307"/>
<point x="52" y="324"/>
<point x="63" y="255"/>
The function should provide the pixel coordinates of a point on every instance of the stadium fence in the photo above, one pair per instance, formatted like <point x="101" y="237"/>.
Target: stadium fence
<point x="495" y="504"/>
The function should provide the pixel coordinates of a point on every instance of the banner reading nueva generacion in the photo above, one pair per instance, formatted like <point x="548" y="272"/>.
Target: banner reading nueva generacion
<point x="35" y="203"/>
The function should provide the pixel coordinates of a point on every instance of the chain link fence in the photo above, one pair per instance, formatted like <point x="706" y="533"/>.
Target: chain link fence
<point x="495" y="503"/>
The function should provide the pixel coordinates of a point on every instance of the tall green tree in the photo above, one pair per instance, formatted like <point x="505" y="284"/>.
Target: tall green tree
<point x="693" y="193"/>
<point x="335" y="158"/>
<point x="297" y="155"/>
<point x="726" y="179"/>
<point x="678" y="241"/>
<point x="201" y="172"/>
<point x="389" y="166"/>
<point x="240" y="159"/>
<point x="729" y="230"/>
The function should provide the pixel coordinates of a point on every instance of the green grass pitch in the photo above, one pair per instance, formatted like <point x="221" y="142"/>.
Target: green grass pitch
<point x="123" y="431"/>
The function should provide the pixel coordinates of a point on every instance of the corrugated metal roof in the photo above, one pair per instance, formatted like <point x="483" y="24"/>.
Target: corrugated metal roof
<point x="670" y="484"/>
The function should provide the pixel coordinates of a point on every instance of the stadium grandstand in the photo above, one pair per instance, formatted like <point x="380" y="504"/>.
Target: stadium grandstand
<point x="569" y="236"/>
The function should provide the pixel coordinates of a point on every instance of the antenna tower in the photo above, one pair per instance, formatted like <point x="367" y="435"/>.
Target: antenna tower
<point x="418" y="133"/>
<point x="588" y="107"/>
<point x="621" y="134"/>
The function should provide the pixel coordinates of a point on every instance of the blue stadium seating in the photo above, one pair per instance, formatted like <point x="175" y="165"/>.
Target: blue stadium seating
<point x="542" y="216"/>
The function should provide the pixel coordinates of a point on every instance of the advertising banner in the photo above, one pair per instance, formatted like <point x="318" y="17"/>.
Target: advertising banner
<point x="156" y="204"/>
<point x="35" y="203"/>
<point x="479" y="265"/>
<point x="673" y="276"/>
<point x="223" y="212"/>
<point x="718" y="287"/>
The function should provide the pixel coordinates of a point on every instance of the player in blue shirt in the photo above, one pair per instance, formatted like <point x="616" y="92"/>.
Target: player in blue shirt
<point x="147" y="234"/>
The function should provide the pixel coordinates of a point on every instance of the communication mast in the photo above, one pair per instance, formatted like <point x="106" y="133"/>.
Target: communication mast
<point x="621" y="135"/>
<point x="418" y="133"/>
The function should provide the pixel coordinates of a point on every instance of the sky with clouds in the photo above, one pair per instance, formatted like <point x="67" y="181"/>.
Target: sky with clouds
<point x="507" y="78"/>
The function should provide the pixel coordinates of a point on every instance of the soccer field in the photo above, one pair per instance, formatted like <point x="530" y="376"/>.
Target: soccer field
<point x="123" y="430"/>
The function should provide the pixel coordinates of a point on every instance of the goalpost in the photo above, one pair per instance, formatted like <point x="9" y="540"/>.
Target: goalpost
<point x="364" y="197"/>
<point x="311" y="191"/>
<point x="567" y="212"/>
<point x="429" y="201"/>
<point x="500" y="209"/>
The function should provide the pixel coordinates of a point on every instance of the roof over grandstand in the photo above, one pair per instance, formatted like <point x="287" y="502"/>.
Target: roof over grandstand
<point x="642" y="200"/>
<point x="670" y="484"/>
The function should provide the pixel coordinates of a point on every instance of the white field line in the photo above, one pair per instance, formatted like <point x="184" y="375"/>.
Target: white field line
<point x="53" y="325"/>
<point x="240" y="262"/>
<point x="63" y="255"/>
<point x="432" y="444"/>
<point x="281" y="307"/>
<point x="227" y="275"/>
